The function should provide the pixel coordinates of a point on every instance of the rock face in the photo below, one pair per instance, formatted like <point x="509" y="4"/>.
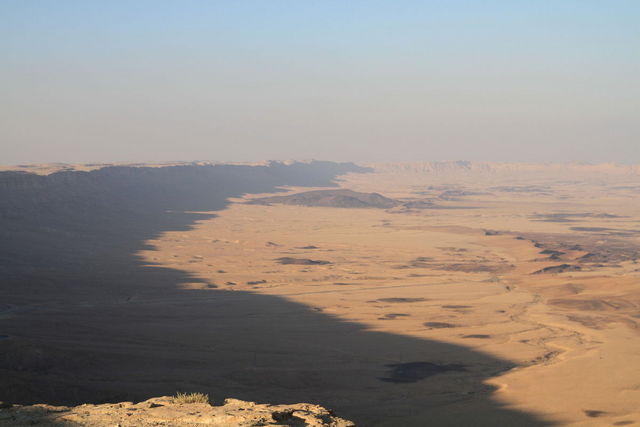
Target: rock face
<point x="68" y="221"/>
<point x="164" y="411"/>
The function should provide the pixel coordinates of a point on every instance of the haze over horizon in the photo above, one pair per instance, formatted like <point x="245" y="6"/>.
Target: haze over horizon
<point x="393" y="213"/>
<point x="371" y="81"/>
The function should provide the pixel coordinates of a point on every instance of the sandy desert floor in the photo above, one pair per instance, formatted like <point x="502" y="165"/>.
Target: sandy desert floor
<point x="483" y="299"/>
<point x="470" y="273"/>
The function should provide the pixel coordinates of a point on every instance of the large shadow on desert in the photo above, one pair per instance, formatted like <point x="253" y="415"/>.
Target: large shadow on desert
<point x="83" y="319"/>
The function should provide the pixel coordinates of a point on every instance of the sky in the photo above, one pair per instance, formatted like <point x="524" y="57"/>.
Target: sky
<point x="349" y="80"/>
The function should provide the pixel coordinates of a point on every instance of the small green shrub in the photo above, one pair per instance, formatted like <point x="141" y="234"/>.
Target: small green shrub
<point x="191" y="398"/>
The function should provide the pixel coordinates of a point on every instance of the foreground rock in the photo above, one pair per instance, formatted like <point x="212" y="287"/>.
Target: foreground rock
<point x="164" y="411"/>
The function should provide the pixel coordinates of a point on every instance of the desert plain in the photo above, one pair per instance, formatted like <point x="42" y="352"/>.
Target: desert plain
<point x="402" y="294"/>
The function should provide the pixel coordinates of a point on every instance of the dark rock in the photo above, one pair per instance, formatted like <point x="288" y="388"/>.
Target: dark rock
<point x="301" y="261"/>
<point x="438" y="325"/>
<point x="558" y="269"/>
<point x="400" y="300"/>
<point x="341" y="198"/>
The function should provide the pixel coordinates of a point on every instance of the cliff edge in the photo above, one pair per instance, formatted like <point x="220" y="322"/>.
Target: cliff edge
<point x="166" y="411"/>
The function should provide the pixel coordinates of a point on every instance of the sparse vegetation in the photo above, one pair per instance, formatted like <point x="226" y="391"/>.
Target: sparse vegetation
<point x="191" y="398"/>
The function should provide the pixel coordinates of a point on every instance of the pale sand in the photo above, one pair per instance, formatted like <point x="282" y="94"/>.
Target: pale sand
<point x="577" y="362"/>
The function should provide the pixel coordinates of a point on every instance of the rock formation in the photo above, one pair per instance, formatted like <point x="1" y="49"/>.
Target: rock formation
<point x="165" y="411"/>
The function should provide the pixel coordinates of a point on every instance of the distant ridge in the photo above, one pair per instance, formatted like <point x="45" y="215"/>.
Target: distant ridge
<point x="54" y="167"/>
<point x="495" y="168"/>
<point x="430" y="167"/>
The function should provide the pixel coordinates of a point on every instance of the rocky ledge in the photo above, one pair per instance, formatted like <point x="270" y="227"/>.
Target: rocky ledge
<point x="165" y="411"/>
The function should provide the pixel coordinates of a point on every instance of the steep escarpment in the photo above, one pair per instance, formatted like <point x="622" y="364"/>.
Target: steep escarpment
<point x="70" y="241"/>
<point x="60" y="228"/>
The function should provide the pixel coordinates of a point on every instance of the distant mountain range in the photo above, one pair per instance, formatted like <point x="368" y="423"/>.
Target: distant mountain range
<point x="467" y="167"/>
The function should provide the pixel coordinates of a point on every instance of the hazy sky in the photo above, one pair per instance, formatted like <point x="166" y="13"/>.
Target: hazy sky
<point x="150" y="80"/>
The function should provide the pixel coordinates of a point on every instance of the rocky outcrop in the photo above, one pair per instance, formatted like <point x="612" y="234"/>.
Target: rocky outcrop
<point x="331" y="198"/>
<point x="165" y="411"/>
